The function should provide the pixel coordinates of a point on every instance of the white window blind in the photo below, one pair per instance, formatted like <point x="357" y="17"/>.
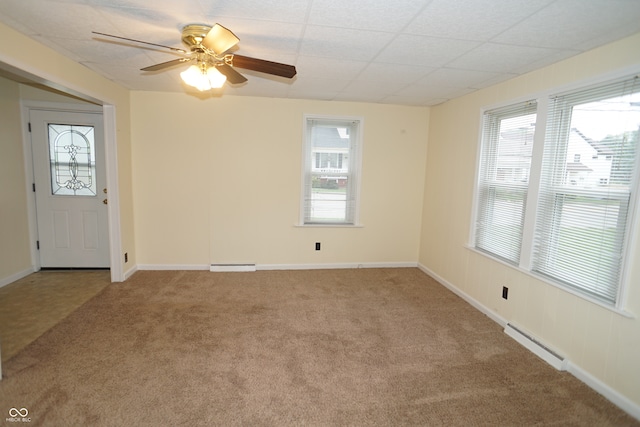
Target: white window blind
<point x="331" y="170"/>
<point x="588" y="182"/>
<point x="507" y="143"/>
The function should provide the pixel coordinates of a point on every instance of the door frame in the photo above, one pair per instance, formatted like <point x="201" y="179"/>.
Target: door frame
<point x="111" y="166"/>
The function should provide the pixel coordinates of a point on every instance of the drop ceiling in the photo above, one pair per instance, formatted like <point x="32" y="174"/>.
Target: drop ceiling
<point x="407" y="52"/>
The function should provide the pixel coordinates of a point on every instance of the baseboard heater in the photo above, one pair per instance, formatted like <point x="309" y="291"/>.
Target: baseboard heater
<point x="232" y="267"/>
<point x="536" y="347"/>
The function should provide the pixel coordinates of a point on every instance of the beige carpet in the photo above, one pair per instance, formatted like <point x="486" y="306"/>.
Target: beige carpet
<point x="377" y="347"/>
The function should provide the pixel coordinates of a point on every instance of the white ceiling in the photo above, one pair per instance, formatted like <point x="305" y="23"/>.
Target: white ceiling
<point x="411" y="52"/>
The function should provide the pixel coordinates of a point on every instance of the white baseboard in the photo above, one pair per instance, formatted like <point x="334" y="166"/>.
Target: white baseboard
<point x="130" y="272"/>
<point x="230" y="267"/>
<point x="597" y="385"/>
<point x="17" y="276"/>
<point x="468" y="298"/>
<point x="612" y="395"/>
<point x="330" y="266"/>
<point x="173" y="267"/>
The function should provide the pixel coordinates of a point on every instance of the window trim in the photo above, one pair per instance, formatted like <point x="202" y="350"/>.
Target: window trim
<point x="355" y="155"/>
<point x="526" y="260"/>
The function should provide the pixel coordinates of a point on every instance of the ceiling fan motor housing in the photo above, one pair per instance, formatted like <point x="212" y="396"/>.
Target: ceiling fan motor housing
<point x="193" y="34"/>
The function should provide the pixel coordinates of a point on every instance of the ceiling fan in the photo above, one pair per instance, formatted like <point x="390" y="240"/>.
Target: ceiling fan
<point x="212" y="61"/>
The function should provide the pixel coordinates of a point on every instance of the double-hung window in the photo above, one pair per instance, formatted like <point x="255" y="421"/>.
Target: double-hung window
<point x="331" y="167"/>
<point x="587" y="185"/>
<point x="572" y="230"/>
<point x="504" y="178"/>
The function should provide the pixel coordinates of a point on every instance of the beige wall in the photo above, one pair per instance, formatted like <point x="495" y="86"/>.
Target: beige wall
<point x="219" y="181"/>
<point x="53" y="70"/>
<point x="599" y="341"/>
<point x="15" y="258"/>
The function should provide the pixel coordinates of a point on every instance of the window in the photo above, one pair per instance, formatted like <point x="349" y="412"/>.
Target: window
<point x="331" y="170"/>
<point x="504" y="177"/>
<point x="562" y="208"/>
<point x="72" y="160"/>
<point x="584" y="209"/>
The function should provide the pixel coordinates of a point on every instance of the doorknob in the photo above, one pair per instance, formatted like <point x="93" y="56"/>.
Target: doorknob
<point x="105" y="201"/>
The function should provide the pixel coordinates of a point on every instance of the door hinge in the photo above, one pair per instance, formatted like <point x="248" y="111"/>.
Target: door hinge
<point x="29" y="125"/>
<point x="34" y="187"/>
<point x="38" y="244"/>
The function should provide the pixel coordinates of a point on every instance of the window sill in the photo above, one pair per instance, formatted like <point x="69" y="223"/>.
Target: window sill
<point x="321" y="225"/>
<point x="615" y="309"/>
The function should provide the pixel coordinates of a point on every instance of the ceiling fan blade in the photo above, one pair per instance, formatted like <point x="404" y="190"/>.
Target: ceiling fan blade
<point x="167" y="64"/>
<point x="264" y="66"/>
<point x="233" y="76"/>
<point x="175" y="49"/>
<point x="219" y="39"/>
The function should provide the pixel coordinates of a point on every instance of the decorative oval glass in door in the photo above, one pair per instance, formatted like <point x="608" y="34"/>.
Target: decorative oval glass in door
<point x="72" y="160"/>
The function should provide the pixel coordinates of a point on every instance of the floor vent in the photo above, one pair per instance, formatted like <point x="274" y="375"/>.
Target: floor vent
<point x="218" y="268"/>
<point x="536" y="347"/>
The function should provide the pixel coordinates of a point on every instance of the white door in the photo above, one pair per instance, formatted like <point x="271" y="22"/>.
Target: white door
<point x="70" y="188"/>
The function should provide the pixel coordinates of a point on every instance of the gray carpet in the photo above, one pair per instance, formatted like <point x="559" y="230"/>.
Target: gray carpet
<point x="365" y="347"/>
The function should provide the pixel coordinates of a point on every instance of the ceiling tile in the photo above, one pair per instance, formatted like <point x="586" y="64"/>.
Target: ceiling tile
<point x="375" y="87"/>
<point x="550" y="27"/>
<point x="413" y="52"/>
<point x="452" y="77"/>
<point x="472" y="19"/>
<point x="382" y="72"/>
<point x="342" y="43"/>
<point x="294" y="11"/>
<point x="424" y="51"/>
<point x="329" y="68"/>
<point x="391" y="16"/>
<point x="500" y="58"/>
<point x="317" y="88"/>
<point x="66" y="22"/>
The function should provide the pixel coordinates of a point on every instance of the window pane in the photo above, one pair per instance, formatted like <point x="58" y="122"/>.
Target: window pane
<point x="72" y="160"/>
<point x="501" y="232"/>
<point x="585" y="246"/>
<point x="602" y="143"/>
<point x="328" y="201"/>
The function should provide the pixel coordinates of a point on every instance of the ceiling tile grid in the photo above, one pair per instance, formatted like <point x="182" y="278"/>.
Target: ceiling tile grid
<point x="410" y="52"/>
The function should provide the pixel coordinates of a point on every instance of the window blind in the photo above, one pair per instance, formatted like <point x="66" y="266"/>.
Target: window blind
<point x="507" y="144"/>
<point x="588" y="184"/>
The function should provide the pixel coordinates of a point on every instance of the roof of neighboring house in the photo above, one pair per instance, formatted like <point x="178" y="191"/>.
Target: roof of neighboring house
<point x="578" y="167"/>
<point x="601" y="147"/>
<point x="328" y="137"/>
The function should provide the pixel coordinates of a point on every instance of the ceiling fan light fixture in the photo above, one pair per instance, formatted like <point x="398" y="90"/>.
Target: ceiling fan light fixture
<point x="216" y="78"/>
<point x="203" y="77"/>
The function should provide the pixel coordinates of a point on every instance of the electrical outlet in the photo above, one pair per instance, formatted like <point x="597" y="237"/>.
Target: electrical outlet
<point x="505" y="292"/>
<point x="317" y="246"/>
<point x="126" y="257"/>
